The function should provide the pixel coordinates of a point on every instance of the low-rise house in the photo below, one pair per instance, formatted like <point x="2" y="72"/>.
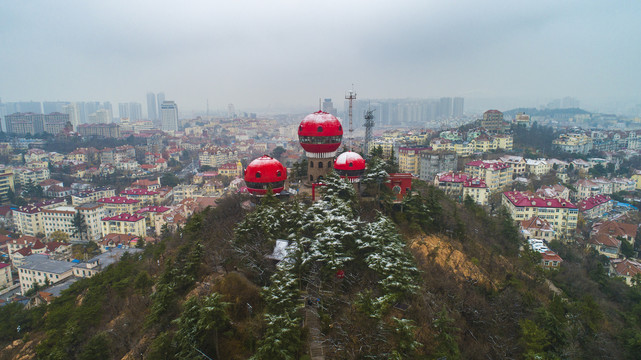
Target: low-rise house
<point x="537" y="228"/>
<point x="550" y="260"/>
<point x="552" y="191"/>
<point x="629" y="270"/>
<point x="99" y="263"/>
<point x="537" y="167"/>
<point x="617" y="229"/>
<point x="605" y="244"/>
<point x="123" y="241"/>
<point x="517" y="164"/>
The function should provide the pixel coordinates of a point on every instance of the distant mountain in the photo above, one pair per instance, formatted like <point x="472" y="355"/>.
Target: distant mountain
<point x="545" y="112"/>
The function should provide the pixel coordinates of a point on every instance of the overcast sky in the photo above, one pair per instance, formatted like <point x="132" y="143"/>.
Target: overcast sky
<point x="275" y="54"/>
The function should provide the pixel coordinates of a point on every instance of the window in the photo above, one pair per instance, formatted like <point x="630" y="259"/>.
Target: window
<point x="320" y="165"/>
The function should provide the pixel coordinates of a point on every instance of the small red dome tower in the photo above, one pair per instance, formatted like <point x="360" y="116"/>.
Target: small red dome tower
<point x="350" y="165"/>
<point x="265" y="173"/>
<point x="320" y="134"/>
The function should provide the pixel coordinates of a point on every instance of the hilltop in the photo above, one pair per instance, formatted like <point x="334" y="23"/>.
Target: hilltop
<point x="362" y="278"/>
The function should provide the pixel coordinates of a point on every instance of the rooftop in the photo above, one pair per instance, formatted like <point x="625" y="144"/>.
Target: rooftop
<point x="526" y="199"/>
<point x="39" y="262"/>
<point x="124" y="217"/>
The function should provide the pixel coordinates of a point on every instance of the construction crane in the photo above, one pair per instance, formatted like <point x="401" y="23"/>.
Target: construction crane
<point x="369" y="125"/>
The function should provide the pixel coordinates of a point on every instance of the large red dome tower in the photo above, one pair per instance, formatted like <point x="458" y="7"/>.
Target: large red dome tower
<point x="265" y="173"/>
<point x="350" y="165"/>
<point x="320" y="134"/>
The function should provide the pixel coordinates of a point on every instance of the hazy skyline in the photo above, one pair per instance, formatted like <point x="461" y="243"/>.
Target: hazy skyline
<point x="286" y="54"/>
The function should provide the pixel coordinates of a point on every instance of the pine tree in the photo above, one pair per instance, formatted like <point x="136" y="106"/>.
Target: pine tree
<point x="282" y="339"/>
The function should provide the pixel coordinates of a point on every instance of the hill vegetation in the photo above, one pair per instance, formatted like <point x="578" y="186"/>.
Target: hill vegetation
<point x="423" y="279"/>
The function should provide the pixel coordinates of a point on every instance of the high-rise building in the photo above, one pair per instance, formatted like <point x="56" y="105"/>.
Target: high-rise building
<point x="55" y="123"/>
<point x="74" y="114"/>
<point x="152" y="108"/>
<point x="135" y="111"/>
<point x="123" y="110"/>
<point x="458" y="107"/>
<point x="53" y="106"/>
<point x="445" y="107"/>
<point x="25" y="123"/>
<point x="160" y="98"/>
<point x="29" y="107"/>
<point x="169" y="116"/>
<point x="328" y="107"/>
<point x="132" y="111"/>
<point x="101" y="116"/>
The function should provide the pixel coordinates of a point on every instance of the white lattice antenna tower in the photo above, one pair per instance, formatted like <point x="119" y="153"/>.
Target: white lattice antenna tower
<point x="351" y="96"/>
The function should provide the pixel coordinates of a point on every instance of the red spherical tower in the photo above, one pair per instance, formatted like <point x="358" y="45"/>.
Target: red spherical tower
<point x="320" y="134"/>
<point x="350" y="165"/>
<point x="265" y="173"/>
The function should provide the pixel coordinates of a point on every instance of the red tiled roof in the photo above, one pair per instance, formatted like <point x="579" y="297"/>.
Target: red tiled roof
<point x="124" y="217"/>
<point x="117" y="200"/>
<point x="475" y="183"/>
<point x="626" y="267"/>
<point x="614" y="228"/>
<point x="605" y="240"/>
<point x="524" y="199"/>
<point x="591" y="202"/>
<point x="25" y="251"/>
<point x="154" y="209"/>
<point x="457" y="177"/>
<point x="550" y="256"/>
<point x="138" y="192"/>
<point x="493" y="165"/>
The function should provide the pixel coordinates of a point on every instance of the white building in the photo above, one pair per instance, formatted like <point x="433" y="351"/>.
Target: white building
<point x="169" y="116"/>
<point x="39" y="269"/>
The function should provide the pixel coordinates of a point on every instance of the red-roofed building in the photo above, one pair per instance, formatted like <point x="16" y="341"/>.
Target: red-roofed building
<point x="595" y="206"/>
<point x="118" y="240"/>
<point x="146" y="184"/>
<point x="125" y="223"/>
<point x="119" y="204"/>
<point x="154" y="215"/>
<point x="560" y="213"/>
<point x="495" y="173"/>
<point x="605" y="244"/>
<point x="537" y="228"/>
<point x="144" y="195"/>
<point x="629" y="270"/>
<point x="616" y="229"/>
<point x="550" y="260"/>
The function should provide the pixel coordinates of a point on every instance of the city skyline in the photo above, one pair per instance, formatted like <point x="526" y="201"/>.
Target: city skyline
<point x="516" y="55"/>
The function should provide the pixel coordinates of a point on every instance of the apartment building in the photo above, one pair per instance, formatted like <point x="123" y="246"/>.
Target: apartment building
<point x="560" y="213"/>
<point x="28" y="218"/>
<point x="119" y="204"/>
<point x="92" y="195"/>
<point x="125" y="224"/>
<point x="496" y="174"/>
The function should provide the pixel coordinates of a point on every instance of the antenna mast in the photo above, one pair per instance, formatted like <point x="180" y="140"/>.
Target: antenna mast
<point x="351" y="96"/>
